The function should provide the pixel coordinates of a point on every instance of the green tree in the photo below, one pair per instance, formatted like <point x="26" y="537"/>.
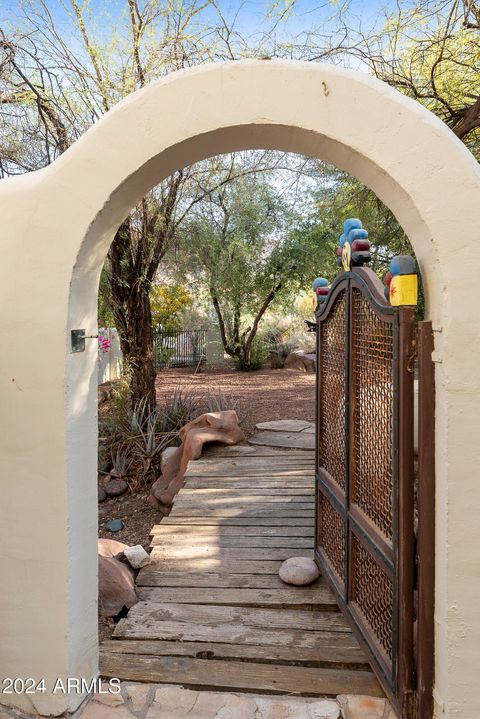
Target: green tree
<point x="239" y="241"/>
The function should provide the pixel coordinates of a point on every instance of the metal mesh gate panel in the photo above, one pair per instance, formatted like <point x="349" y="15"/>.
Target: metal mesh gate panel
<point x="364" y="535"/>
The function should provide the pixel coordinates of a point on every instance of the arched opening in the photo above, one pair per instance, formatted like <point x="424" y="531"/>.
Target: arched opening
<point x="411" y="161"/>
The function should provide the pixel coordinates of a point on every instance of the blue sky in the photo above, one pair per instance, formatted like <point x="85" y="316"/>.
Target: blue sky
<point x="305" y="13"/>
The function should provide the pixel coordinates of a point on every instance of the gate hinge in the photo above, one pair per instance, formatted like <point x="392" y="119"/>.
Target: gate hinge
<point x="410" y="705"/>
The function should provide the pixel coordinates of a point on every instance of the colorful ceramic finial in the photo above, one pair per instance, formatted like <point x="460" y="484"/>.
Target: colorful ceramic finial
<point x="321" y="290"/>
<point x="402" y="282"/>
<point x="354" y="245"/>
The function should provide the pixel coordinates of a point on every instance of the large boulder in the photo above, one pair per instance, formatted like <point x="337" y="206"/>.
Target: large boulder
<point x="300" y="361"/>
<point x="116" y="579"/>
<point x="210" y="427"/>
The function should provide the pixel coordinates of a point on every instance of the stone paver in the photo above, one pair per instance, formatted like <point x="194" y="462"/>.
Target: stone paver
<point x="358" y="707"/>
<point x="96" y="710"/>
<point x="139" y="694"/>
<point x="110" y="699"/>
<point x="286" y="425"/>
<point x="154" y="701"/>
<point x="179" y="703"/>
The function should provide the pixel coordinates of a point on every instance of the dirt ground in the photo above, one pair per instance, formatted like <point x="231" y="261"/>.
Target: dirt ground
<point x="263" y="395"/>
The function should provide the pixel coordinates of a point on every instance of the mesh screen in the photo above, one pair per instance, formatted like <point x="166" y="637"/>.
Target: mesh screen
<point x="331" y="535"/>
<point x="372" y="591"/>
<point x="372" y="397"/>
<point x="331" y="444"/>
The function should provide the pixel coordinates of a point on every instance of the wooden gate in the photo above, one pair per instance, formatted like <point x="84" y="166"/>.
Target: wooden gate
<point x="364" y="471"/>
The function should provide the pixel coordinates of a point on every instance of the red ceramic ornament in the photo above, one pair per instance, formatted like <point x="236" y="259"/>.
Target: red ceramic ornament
<point x="360" y="245"/>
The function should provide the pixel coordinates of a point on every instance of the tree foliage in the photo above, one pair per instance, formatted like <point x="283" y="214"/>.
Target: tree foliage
<point x="240" y="243"/>
<point x="169" y="303"/>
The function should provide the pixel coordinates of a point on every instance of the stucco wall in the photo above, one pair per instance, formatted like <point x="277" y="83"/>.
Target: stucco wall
<point x="56" y="226"/>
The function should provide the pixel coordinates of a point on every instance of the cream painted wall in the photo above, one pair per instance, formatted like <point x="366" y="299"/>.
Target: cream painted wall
<point x="56" y="226"/>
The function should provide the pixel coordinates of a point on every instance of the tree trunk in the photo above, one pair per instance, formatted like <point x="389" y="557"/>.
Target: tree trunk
<point x="136" y="341"/>
<point x="130" y="304"/>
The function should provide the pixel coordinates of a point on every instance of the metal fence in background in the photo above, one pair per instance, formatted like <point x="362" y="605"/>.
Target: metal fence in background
<point x="179" y="348"/>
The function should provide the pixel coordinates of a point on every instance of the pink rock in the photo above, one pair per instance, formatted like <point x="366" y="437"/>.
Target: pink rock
<point x="110" y="547"/>
<point x="210" y="427"/>
<point x="116" y="579"/>
<point x="116" y="586"/>
<point x="300" y="361"/>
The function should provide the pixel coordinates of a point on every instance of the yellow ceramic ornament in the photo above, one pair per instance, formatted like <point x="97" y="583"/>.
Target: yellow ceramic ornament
<point x="404" y="290"/>
<point x="346" y="256"/>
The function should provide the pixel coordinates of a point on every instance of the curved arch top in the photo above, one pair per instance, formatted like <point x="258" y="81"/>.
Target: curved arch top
<point x="56" y="227"/>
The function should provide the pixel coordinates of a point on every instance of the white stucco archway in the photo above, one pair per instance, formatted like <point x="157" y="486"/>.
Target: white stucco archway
<point x="56" y="227"/>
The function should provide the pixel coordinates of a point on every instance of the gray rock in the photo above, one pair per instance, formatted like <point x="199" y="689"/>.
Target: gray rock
<point x="299" y="571"/>
<point x="116" y="487"/>
<point x="102" y="495"/>
<point x="115" y="525"/>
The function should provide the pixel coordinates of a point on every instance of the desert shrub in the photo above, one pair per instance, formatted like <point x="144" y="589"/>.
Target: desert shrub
<point x="178" y="408"/>
<point x="218" y="401"/>
<point x="258" y="355"/>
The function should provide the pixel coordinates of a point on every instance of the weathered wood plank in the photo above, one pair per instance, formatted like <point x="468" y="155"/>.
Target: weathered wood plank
<point x="286" y="521"/>
<point x="196" y="552"/>
<point x="280" y="485"/>
<point x="333" y="650"/>
<point x="246" y="676"/>
<point x="284" y="439"/>
<point x="249" y="450"/>
<point x="214" y="564"/>
<point x="250" y="490"/>
<point x="321" y="598"/>
<point x="294" y="509"/>
<point x="153" y="615"/>
<point x="221" y="499"/>
<point x="282" y="460"/>
<point x="251" y="465"/>
<point x="150" y="576"/>
<point x="212" y="541"/>
<point x="296" y="470"/>
<point x="230" y="633"/>
<point x="227" y="530"/>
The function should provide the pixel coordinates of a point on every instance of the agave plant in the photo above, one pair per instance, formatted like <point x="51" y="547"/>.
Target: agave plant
<point x="122" y="461"/>
<point x="217" y="401"/>
<point x="180" y="407"/>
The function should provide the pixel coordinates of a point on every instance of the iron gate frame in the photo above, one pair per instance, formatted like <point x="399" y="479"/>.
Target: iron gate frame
<point x="189" y="347"/>
<point x="397" y="560"/>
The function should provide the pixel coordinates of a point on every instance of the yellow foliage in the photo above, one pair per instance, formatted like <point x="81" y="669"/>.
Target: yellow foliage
<point x="167" y="303"/>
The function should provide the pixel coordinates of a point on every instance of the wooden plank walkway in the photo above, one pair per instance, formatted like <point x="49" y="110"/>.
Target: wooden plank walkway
<point x="213" y="612"/>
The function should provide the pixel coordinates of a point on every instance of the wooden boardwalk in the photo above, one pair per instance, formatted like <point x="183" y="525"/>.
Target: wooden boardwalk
<point x="213" y="612"/>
